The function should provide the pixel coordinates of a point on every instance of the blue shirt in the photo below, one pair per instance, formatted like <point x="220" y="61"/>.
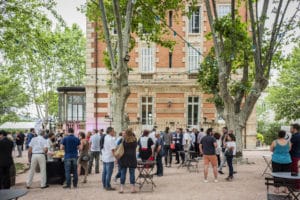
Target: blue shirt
<point x="29" y="138"/>
<point x="295" y="140"/>
<point x="71" y="144"/>
<point x="281" y="153"/>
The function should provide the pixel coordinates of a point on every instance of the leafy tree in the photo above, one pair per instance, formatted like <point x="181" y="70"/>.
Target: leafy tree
<point x="244" y="60"/>
<point x="284" y="96"/>
<point x="12" y="96"/>
<point x="57" y="59"/>
<point x="129" y="18"/>
<point x="40" y="54"/>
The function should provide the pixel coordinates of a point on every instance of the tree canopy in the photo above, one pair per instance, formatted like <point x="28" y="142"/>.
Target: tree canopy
<point x="284" y="95"/>
<point x="40" y="53"/>
<point x="243" y="61"/>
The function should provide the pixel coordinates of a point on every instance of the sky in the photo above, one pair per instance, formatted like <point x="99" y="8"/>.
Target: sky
<point x="68" y="10"/>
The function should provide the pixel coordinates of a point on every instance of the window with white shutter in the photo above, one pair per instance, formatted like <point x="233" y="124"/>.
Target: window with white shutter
<point x="147" y="59"/>
<point x="193" y="59"/>
<point x="223" y="10"/>
<point x="195" y="21"/>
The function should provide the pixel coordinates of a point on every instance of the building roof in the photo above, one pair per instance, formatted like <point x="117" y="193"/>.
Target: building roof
<point x="17" y="125"/>
<point x="71" y="89"/>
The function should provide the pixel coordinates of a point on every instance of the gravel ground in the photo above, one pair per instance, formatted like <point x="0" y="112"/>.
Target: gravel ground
<point x="176" y="184"/>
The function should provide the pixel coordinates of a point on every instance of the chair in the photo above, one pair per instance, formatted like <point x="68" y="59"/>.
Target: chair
<point x="145" y="175"/>
<point x="290" y="184"/>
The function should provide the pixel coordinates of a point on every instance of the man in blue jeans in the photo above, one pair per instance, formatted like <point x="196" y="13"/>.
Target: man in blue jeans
<point x="70" y="144"/>
<point x="108" y="158"/>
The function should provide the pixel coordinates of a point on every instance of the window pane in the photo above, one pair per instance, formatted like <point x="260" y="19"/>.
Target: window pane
<point x="195" y="115"/>
<point x="149" y="99"/>
<point x="196" y="99"/>
<point x="195" y="21"/>
<point x="190" y="115"/>
<point x="144" y="99"/>
<point x="223" y="10"/>
<point x="144" y="114"/>
<point x="190" y="99"/>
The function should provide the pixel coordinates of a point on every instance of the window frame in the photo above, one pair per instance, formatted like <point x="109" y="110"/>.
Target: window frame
<point x="147" y="103"/>
<point x="145" y="60"/>
<point x="193" y="104"/>
<point x="218" y="9"/>
<point x="191" y="21"/>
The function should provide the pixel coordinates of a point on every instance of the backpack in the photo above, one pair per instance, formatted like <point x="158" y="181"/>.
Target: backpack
<point x="102" y="141"/>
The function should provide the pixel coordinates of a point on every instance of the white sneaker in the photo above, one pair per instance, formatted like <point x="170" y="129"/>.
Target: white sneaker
<point x="205" y="181"/>
<point x="216" y="180"/>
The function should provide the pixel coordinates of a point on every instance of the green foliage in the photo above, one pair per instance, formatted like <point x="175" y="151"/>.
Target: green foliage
<point x="260" y="137"/>
<point x="9" y="117"/>
<point x="40" y="55"/>
<point x="284" y="96"/>
<point x="268" y="130"/>
<point x="237" y="53"/>
<point x="148" y="19"/>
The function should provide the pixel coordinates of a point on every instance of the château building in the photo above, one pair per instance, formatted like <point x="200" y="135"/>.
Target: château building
<point x="164" y="88"/>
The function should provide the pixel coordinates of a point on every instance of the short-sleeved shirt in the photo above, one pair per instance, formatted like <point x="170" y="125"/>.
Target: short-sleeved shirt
<point x="231" y="144"/>
<point x="38" y="144"/>
<point x="95" y="142"/>
<point x="208" y="146"/>
<point x="71" y="144"/>
<point x="295" y="140"/>
<point x="109" y="145"/>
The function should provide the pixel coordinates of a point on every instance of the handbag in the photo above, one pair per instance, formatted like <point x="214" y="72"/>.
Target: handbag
<point x="85" y="158"/>
<point x="119" y="152"/>
<point x="229" y="152"/>
<point x="172" y="146"/>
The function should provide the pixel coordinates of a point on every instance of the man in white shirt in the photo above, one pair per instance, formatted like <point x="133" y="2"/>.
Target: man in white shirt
<point x="152" y="135"/>
<point x="95" y="151"/>
<point x="38" y="149"/>
<point x="108" y="158"/>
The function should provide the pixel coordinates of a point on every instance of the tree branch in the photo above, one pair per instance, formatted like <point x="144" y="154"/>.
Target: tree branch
<point x="269" y="53"/>
<point x="127" y="27"/>
<point x="117" y="15"/>
<point x="261" y="23"/>
<point x="257" y="52"/>
<point x="107" y="34"/>
<point x="223" y="68"/>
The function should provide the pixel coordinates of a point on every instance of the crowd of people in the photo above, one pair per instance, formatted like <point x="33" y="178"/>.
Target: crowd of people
<point x="286" y="154"/>
<point x="84" y="152"/>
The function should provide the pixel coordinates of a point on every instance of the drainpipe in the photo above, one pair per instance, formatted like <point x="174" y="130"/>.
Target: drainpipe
<point x="96" y="74"/>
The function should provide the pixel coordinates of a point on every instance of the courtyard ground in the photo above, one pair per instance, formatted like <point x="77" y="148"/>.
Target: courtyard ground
<point x="176" y="184"/>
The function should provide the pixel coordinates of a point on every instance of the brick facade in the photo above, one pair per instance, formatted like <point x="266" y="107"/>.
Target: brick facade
<point x="171" y="89"/>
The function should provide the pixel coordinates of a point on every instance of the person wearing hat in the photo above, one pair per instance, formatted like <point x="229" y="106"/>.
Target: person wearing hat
<point x="38" y="148"/>
<point x="6" y="160"/>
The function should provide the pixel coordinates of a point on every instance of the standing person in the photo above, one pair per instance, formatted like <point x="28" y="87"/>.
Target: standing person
<point x="70" y="144"/>
<point x="20" y="142"/>
<point x="223" y="140"/>
<point x="145" y="146"/>
<point x="118" y="141"/>
<point x="230" y="153"/>
<point x="201" y="134"/>
<point x="208" y="147"/>
<point x="281" y="158"/>
<point x="95" y="151"/>
<point x="88" y="136"/>
<point x="29" y="137"/>
<point x="38" y="148"/>
<point x="167" y="140"/>
<point x="295" y="151"/>
<point x="83" y="153"/>
<point x="158" y="149"/>
<point x="219" y="148"/>
<point x="6" y="160"/>
<point x="108" y="159"/>
<point x="51" y="146"/>
<point x="128" y="160"/>
<point x="178" y="139"/>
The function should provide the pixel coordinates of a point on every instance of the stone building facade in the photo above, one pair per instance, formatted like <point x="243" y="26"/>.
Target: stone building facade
<point x="164" y="88"/>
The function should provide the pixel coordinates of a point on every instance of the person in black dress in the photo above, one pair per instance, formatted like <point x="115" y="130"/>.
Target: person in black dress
<point x="128" y="160"/>
<point x="6" y="160"/>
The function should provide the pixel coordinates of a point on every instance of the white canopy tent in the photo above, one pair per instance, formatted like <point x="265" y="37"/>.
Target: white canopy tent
<point x="18" y="125"/>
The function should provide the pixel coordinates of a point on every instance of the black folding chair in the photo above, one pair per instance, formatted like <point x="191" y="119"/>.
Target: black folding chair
<point x="276" y="182"/>
<point x="145" y="174"/>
